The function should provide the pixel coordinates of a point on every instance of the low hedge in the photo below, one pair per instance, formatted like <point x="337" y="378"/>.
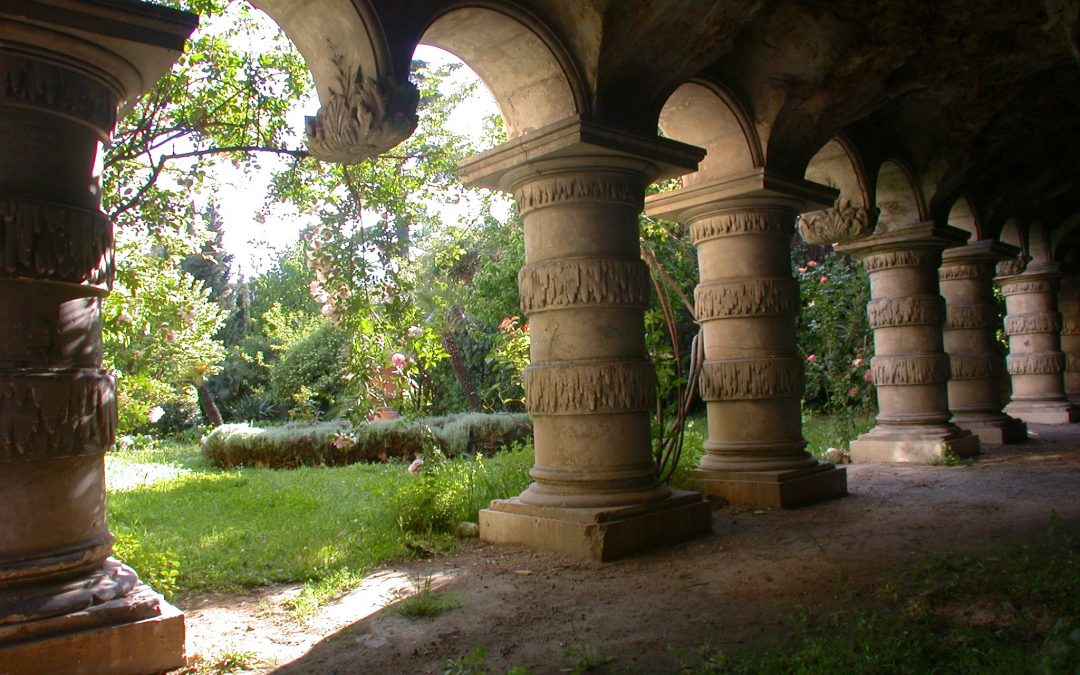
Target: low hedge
<point x="337" y="443"/>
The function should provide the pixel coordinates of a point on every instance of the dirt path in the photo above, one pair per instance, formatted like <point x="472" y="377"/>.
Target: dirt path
<point x="725" y="590"/>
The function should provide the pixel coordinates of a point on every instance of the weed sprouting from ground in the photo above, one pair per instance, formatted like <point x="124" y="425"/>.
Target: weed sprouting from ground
<point x="585" y="655"/>
<point x="426" y="603"/>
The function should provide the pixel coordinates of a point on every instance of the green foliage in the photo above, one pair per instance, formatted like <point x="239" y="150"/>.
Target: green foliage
<point x="310" y="375"/>
<point x="837" y="430"/>
<point x="833" y="332"/>
<point x="337" y="443"/>
<point x="159" y="568"/>
<point x="425" y="603"/>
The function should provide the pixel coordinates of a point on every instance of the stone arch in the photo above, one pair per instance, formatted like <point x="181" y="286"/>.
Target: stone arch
<point x="1039" y="244"/>
<point x="706" y="114"/>
<point x="838" y="165"/>
<point x="897" y="194"/>
<point x="963" y="216"/>
<point x="1011" y="234"/>
<point x="532" y="78"/>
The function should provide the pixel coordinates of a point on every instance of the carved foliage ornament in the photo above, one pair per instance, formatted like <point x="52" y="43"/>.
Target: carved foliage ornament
<point x="1072" y="363"/>
<point x="975" y="366"/>
<point x="1071" y="326"/>
<point x="57" y="89"/>
<point x="1034" y="322"/>
<point x="61" y="414"/>
<point x="910" y="369"/>
<point x="754" y="221"/>
<point x="364" y="118"/>
<point x="582" y="282"/>
<point x="746" y="297"/>
<point x="951" y="271"/>
<point x="587" y="187"/>
<point x="590" y="388"/>
<point x="907" y="258"/>
<point x="1020" y="286"/>
<point x="1039" y="363"/>
<point x="838" y="224"/>
<point x="916" y="310"/>
<point x="748" y="379"/>
<point x="58" y="243"/>
<point x="1012" y="266"/>
<point x="961" y="317"/>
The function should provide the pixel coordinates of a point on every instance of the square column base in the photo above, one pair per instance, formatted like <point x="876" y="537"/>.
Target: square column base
<point x="1061" y="412"/>
<point x="774" y="489"/>
<point x="997" y="432"/>
<point x="600" y="534"/>
<point x="143" y="647"/>
<point x="913" y="449"/>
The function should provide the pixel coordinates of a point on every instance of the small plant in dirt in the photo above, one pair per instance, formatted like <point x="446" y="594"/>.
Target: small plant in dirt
<point x="426" y="603"/>
<point x="586" y="657"/>
<point x="223" y="662"/>
<point x="475" y="663"/>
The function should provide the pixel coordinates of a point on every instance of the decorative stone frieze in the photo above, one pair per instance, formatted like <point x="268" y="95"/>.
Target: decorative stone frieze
<point x="1035" y="322"/>
<point x="969" y="316"/>
<point x="840" y="223"/>
<point x="57" y="90"/>
<point x="55" y="414"/>
<point x="966" y="270"/>
<point x="362" y="118"/>
<point x="1036" y="363"/>
<point x="590" y="386"/>
<point x="1070" y="325"/>
<point x="752" y="378"/>
<point x="910" y="367"/>
<point x="584" y="282"/>
<point x="906" y="311"/>
<point x="58" y="243"/>
<point x="748" y="379"/>
<point x="745" y="297"/>
<point x="1072" y="363"/>
<point x="975" y="366"/>
<point x="578" y="388"/>
<point x="1011" y="267"/>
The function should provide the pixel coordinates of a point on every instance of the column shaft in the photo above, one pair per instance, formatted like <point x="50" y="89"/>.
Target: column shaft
<point x="976" y="359"/>
<point x="1069" y="306"/>
<point x="910" y="367"/>
<point x="1036" y="362"/>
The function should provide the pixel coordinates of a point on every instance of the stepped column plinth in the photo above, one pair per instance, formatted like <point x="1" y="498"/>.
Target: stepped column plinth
<point x="66" y="606"/>
<point x="1069" y="306"/>
<point x="1035" y="363"/>
<point x="976" y="357"/>
<point x="590" y="387"/>
<point x="747" y="302"/>
<point x="910" y="367"/>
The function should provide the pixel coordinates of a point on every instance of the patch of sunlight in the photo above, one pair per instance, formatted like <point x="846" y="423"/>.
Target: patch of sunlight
<point x="121" y="475"/>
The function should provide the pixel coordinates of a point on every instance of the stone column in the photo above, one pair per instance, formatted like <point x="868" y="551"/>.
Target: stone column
<point x="65" y="605"/>
<point x="1035" y="362"/>
<point x="975" y="355"/>
<point x="1069" y="306"/>
<point x="747" y="304"/>
<point x="590" y="387"/>
<point x="910" y="366"/>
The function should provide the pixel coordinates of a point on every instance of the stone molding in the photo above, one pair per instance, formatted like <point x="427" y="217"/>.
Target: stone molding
<point x="590" y="387"/>
<point x="749" y="221"/>
<point x="1038" y="363"/>
<point x="584" y="187"/>
<point x="952" y="271"/>
<point x="746" y="297"/>
<point x="837" y="224"/>
<point x="964" y="317"/>
<point x="975" y="366"/>
<point x="752" y="378"/>
<point x="875" y="262"/>
<point x="1033" y="322"/>
<point x="1070" y="325"/>
<point x="916" y="310"/>
<point x="44" y="415"/>
<point x="582" y="282"/>
<point x="1072" y="363"/>
<point x="910" y="369"/>
<point x="1011" y="267"/>
<point x="362" y="118"/>
<point x="56" y="89"/>
<point x="1020" y="286"/>
<point x="55" y="243"/>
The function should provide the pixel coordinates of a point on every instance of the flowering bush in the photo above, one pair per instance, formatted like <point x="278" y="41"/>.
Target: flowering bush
<point x="833" y="331"/>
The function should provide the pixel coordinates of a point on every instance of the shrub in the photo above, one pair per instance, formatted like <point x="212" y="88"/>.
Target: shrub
<point x="337" y="442"/>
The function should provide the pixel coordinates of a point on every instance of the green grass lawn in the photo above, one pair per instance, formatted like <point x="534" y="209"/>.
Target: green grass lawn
<point x="185" y="527"/>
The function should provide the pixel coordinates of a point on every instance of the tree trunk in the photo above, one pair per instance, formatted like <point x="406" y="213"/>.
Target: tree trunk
<point x="206" y="404"/>
<point x="457" y="364"/>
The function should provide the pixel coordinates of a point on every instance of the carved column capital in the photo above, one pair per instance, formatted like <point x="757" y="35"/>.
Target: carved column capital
<point x="905" y="244"/>
<point x="840" y="223"/>
<point x="362" y="117"/>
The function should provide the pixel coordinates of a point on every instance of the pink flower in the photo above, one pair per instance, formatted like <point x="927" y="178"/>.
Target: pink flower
<point x="824" y="279"/>
<point x="812" y="358"/>
<point x="414" y="468"/>
<point x="868" y="376"/>
<point x="397" y="359"/>
<point x="812" y="263"/>
<point x="415" y="331"/>
<point x="802" y="270"/>
<point x="857" y="362"/>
